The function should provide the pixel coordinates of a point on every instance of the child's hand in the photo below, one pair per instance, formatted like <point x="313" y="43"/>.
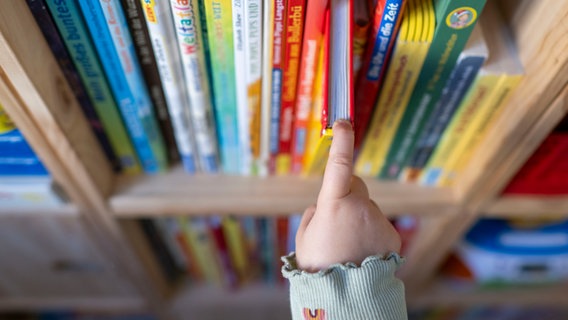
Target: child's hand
<point x="345" y="226"/>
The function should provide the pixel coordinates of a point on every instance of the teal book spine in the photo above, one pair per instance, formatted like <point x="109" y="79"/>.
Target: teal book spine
<point x="74" y="33"/>
<point x="107" y="26"/>
<point x="218" y="15"/>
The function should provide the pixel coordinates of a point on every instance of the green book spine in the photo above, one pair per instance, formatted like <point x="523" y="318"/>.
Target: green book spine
<point x="455" y="21"/>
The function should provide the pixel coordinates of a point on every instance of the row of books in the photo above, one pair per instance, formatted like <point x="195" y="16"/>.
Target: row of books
<point x="445" y="87"/>
<point x="229" y="251"/>
<point x="24" y="181"/>
<point x="246" y="86"/>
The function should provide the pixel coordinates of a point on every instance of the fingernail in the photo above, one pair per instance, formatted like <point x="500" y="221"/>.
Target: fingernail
<point x="343" y="123"/>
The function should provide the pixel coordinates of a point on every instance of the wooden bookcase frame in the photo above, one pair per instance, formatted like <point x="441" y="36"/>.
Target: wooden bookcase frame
<point x="36" y="96"/>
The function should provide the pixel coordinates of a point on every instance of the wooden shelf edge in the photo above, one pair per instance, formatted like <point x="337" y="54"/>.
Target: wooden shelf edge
<point x="176" y="192"/>
<point x="248" y="302"/>
<point x="528" y="207"/>
<point x="441" y="293"/>
<point x="93" y="304"/>
<point x="63" y="210"/>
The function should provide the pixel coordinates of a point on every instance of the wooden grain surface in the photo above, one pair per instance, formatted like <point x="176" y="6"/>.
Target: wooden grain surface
<point x="176" y="192"/>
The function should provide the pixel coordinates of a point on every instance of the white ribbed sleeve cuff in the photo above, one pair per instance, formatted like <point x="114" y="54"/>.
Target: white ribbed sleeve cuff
<point x="347" y="291"/>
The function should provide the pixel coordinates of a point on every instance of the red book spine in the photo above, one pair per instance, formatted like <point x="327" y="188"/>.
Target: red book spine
<point x="278" y="57"/>
<point x="546" y="171"/>
<point x="368" y="88"/>
<point x="325" y="76"/>
<point x="311" y="44"/>
<point x="294" y="30"/>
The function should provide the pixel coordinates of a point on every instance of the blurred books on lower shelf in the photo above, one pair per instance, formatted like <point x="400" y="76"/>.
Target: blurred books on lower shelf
<point x="24" y="181"/>
<point x="501" y="253"/>
<point x="231" y="252"/>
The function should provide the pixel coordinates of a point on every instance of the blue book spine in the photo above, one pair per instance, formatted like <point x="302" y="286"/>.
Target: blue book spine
<point x="276" y="98"/>
<point x="16" y="156"/>
<point x="125" y="77"/>
<point x="453" y="93"/>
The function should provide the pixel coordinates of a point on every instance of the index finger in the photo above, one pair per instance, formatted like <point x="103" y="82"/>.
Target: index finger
<point x="339" y="169"/>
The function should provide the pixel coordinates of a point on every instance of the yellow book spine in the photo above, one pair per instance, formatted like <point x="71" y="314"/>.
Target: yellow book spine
<point x="499" y="99"/>
<point x="314" y="125"/>
<point x="400" y="81"/>
<point x="236" y="244"/>
<point x="200" y="242"/>
<point x="460" y="130"/>
<point x="316" y="164"/>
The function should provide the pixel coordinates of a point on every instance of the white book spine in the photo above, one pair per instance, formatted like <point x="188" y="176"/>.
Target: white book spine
<point x="239" y="34"/>
<point x="190" y="44"/>
<point x="161" y="29"/>
<point x="253" y="53"/>
<point x="266" y="91"/>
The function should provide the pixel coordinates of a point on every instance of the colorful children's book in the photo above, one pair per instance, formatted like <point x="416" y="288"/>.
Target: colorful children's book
<point x="482" y="105"/>
<point x="412" y="45"/>
<point x="310" y="164"/>
<point x="82" y="51"/>
<point x="55" y="41"/>
<point x="221" y="50"/>
<point x="107" y="26"/>
<point x="295" y="14"/>
<point x="160" y="25"/>
<point x="468" y="65"/>
<point x="253" y="52"/>
<point x="16" y="156"/>
<point x="134" y="15"/>
<point x="266" y="91"/>
<point x="239" y="39"/>
<point x="340" y="70"/>
<point x="203" y="246"/>
<point x="362" y="22"/>
<point x="278" y="57"/>
<point x="385" y="24"/>
<point x="311" y="45"/>
<point x="192" y="50"/>
<point x="455" y="21"/>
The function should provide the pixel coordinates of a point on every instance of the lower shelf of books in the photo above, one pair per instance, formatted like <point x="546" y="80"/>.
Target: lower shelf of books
<point x="108" y="304"/>
<point x="176" y="192"/>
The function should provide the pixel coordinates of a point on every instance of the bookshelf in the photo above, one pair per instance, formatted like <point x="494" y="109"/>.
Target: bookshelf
<point x="35" y="95"/>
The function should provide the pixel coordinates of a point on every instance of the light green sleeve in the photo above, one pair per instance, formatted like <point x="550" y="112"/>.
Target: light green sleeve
<point x="347" y="291"/>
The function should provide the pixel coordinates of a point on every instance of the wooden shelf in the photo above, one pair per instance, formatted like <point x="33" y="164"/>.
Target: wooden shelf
<point x="441" y="293"/>
<point x="529" y="207"/>
<point x="106" y="304"/>
<point x="176" y="192"/>
<point x="210" y="302"/>
<point x="63" y="210"/>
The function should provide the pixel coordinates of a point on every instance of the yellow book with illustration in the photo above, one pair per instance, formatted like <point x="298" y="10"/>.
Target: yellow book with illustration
<point x="498" y="99"/>
<point x="406" y="63"/>
<point x="501" y="74"/>
<point x="461" y="128"/>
